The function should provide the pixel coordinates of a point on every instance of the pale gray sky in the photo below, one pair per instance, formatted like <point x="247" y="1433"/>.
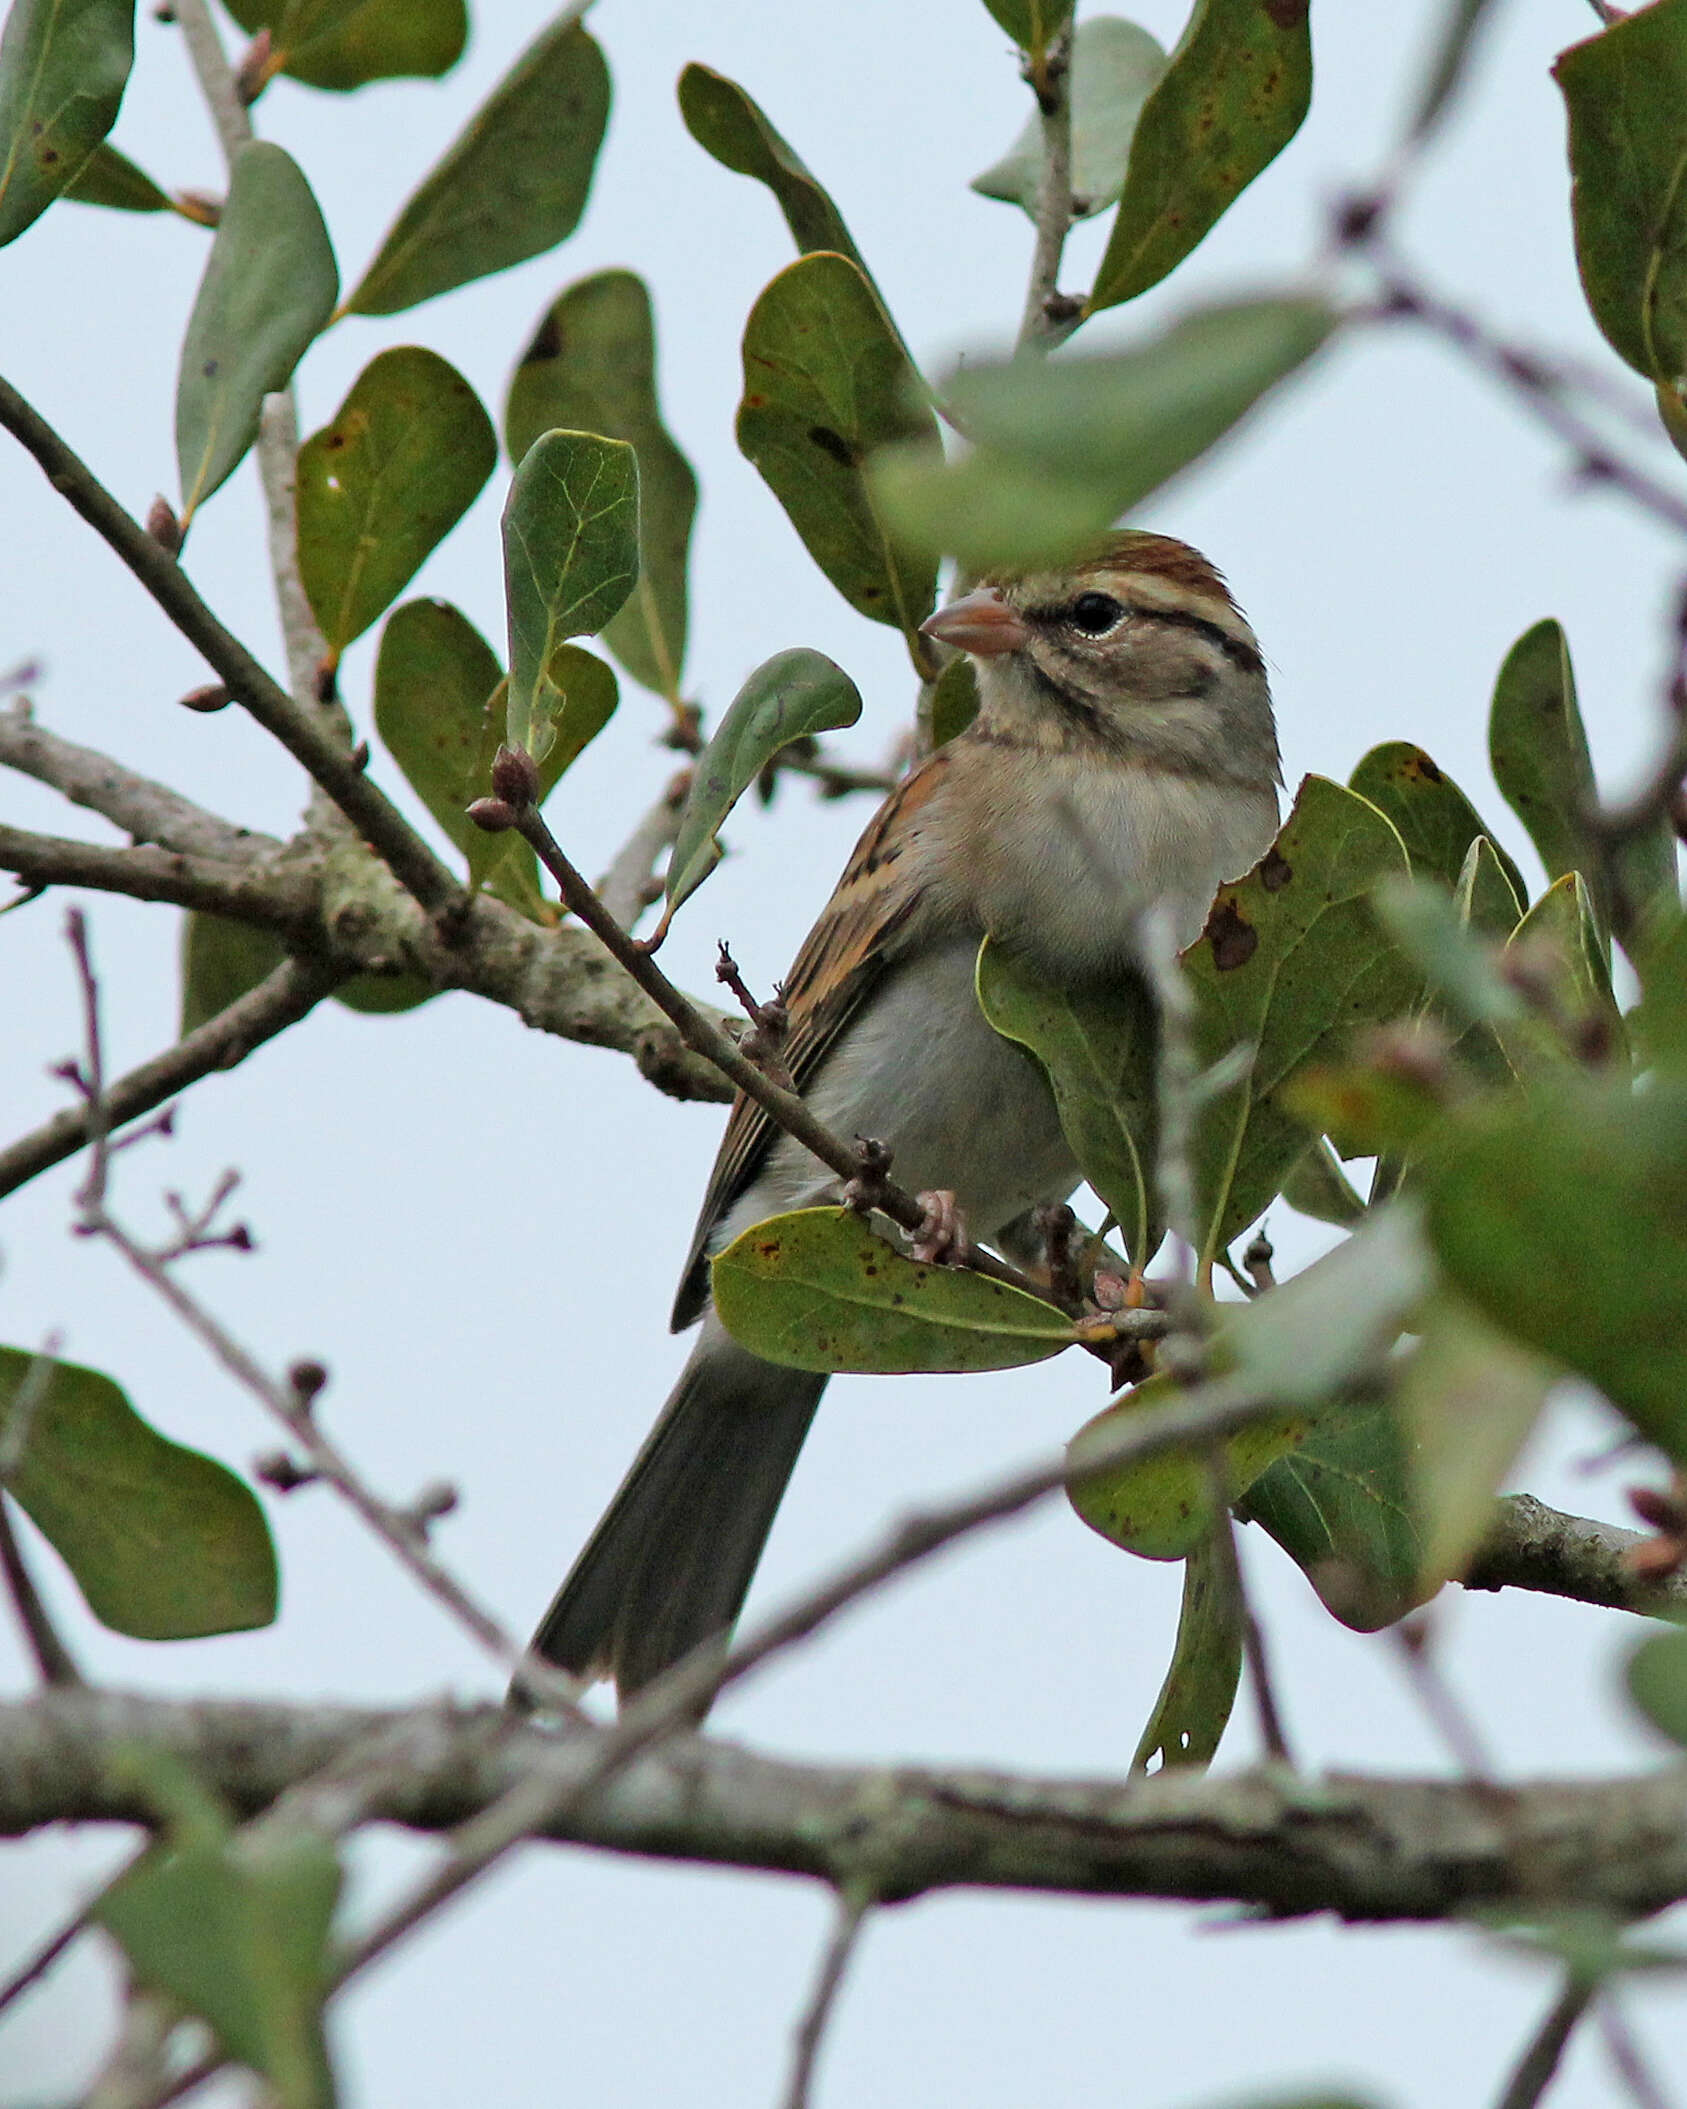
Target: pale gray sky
<point x="477" y="1228"/>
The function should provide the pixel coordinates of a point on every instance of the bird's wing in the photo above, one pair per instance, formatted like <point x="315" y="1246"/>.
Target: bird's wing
<point x="863" y="930"/>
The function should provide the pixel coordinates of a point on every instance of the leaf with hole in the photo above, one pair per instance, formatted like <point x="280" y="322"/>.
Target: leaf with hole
<point x="237" y="1927"/>
<point x="1193" y="1708"/>
<point x="818" y="1290"/>
<point x="826" y="382"/>
<point x="1113" y="66"/>
<point x="268" y="290"/>
<point x="591" y="367"/>
<point x="513" y="183"/>
<point x="164" y="1543"/>
<point x="1291" y="962"/>
<point x="1235" y="93"/>
<point x="792" y="696"/>
<point x="344" y="44"/>
<point x="1098" y="1047"/>
<point x="383" y="483"/>
<point x="1063" y="447"/>
<point x="570" y="562"/>
<point x="1625" y="91"/>
<point x="63" y="67"/>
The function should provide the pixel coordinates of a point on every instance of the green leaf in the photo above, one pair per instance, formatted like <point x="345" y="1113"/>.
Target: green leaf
<point x="818" y="1290"/>
<point x="1560" y="943"/>
<point x="1657" y="1683"/>
<point x="1235" y="93"/>
<point x="791" y="696"/>
<point x="1031" y="23"/>
<point x="954" y="702"/>
<point x="727" y="124"/>
<point x="1340" y="1505"/>
<point x="221" y="960"/>
<point x="1190" y="1715"/>
<point x="237" y="1929"/>
<point x="511" y="185"/>
<point x="1319" y="1188"/>
<point x="1467" y="1400"/>
<point x="1461" y="20"/>
<point x="1290" y="962"/>
<point x="1563" y="1217"/>
<point x="570" y="561"/>
<point x="1113" y="66"/>
<point x="383" y="483"/>
<point x="826" y="381"/>
<point x="1432" y="816"/>
<point x="1161" y="1508"/>
<point x="63" y="67"/>
<point x="385" y="995"/>
<point x="591" y="367"/>
<point x="347" y="43"/>
<point x="1660" y="1019"/>
<point x="164" y="1543"/>
<point x="1486" y="897"/>
<point x="1098" y="1048"/>
<point x="1461" y="969"/>
<point x="1626" y="94"/>
<point x="111" y="179"/>
<point x="268" y="290"/>
<point x="1063" y="447"/>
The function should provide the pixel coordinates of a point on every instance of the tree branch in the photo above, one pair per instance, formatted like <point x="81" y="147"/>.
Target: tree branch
<point x="1366" y="1849"/>
<point x="282" y="897"/>
<point x="147" y="811"/>
<point x="338" y="773"/>
<point x="1044" y="324"/>
<point x="1531" y="1546"/>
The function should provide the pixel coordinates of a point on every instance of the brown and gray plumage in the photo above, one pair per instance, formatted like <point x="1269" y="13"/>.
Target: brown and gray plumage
<point x="1124" y="754"/>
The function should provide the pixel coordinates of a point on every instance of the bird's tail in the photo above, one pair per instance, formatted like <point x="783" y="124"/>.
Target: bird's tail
<point x="670" y="1564"/>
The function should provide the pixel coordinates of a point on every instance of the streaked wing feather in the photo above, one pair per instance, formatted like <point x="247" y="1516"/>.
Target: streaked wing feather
<point x="861" y="933"/>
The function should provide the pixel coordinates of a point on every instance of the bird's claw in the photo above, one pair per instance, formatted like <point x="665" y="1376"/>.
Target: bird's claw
<point x="941" y="1240"/>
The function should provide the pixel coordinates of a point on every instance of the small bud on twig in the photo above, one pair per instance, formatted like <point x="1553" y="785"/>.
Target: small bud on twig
<point x="203" y="207"/>
<point x="256" y="69"/>
<point x="435" y="1500"/>
<point x="325" y="682"/>
<point x="162" y="524"/>
<point x="1257" y="1260"/>
<point x="308" y="1380"/>
<point x="865" y="1191"/>
<point x="213" y="696"/>
<point x="515" y="777"/>
<point x="276" y="1469"/>
<point x="493" y="815"/>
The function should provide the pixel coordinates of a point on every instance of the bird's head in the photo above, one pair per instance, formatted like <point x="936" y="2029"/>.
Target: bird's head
<point x="1137" y="649"/>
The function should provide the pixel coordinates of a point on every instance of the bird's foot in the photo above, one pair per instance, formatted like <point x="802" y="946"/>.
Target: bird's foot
<point x="941" y="1240"/>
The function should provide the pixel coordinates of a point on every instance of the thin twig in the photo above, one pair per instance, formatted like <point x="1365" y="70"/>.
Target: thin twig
<point x="1534" y="2071"/>
<point x="292" y="1402"/>
<point x="281" y="999"/>
<point x="1414" y="1644"/>
<point x="1271" y="1733"/>
<point x="41" y="1959"/>
<point x="284" y="897"/>
<point x="1625" y="2055"/>
<point x="848" y="1919"/>
<point x="1047" y="319"/>
<point x="53" y="1659"/>
<point x="784" y="1107"/>
<point x="338" y="773"/>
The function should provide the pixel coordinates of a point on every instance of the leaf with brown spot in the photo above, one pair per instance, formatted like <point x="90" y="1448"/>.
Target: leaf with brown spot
<point x="1435" y="820"/>
<point x="1287" y="971"/>
<point x="1236" y="91"/>
<point x="818" y="1290"/>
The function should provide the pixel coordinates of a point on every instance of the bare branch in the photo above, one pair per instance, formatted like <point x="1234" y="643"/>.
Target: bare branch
<point x="1540" y="2059"/>
<point x="1047" y="318"/>
<point x="1365" y="1848"/>
<point x="1531" y="1546"/>
<point x="279" y="897"/>
<point x="848" y="1919"/>
<point x="147" y="811"/>
<point x="338" y="773"/>
<point x="53" y="1659"/>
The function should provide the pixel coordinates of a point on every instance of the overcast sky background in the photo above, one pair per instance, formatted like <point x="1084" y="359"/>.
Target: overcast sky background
<point x="477" y="1228"/>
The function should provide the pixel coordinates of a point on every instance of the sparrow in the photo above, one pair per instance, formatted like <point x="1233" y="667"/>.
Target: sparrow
<point x="1124" y="755"/>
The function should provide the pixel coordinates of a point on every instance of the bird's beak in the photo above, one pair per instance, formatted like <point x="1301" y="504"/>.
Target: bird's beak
<point x="981" y="623"/>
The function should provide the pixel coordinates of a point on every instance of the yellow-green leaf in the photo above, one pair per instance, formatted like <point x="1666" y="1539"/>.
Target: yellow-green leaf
<point x="342" y="44"/>
<point x="1191" y="1713"/>
<point x="819" y="1290"/>
<point x="383" y="483"/>
<point x="164" y="1542"/>
<point x="111" y="179"/>
<point x="1431" y="815"/>
<point x="513" y="183"/>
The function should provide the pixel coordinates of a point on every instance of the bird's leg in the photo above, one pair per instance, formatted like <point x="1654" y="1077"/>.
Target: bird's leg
<point x="941" y="1240"/>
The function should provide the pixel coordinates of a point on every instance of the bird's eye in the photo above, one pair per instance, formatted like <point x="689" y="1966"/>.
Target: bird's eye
<point x="1095" y="613"/>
